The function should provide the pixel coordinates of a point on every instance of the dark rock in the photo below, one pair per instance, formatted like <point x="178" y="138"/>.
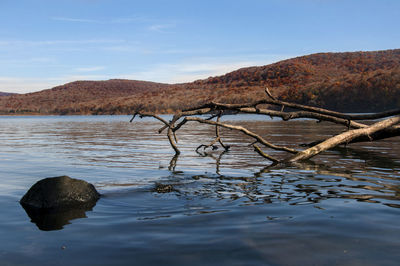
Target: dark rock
<point x="163" y="188"/>
<point x="59" y="193"/>
<point x="52" y="202"/>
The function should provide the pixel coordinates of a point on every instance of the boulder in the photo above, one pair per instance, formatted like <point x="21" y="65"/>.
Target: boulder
<point x="60" y="193"/>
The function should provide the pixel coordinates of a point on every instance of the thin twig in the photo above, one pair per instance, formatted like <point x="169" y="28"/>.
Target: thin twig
<point x="263" y="154"/>
<point x="217" y="134"/>
<point x="246" y="132"/>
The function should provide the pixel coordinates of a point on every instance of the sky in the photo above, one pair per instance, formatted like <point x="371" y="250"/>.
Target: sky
<point x="45" y="43"/>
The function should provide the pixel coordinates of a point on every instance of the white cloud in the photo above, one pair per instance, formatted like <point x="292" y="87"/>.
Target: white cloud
<point x="75" y="20"/>
<point x="130" y="20"/>
<point x="203" y="67"/>
<point x="27" y="61"/>
<point x="161" y="27"/>
<point x="24" y="85"/>
<point x="185" y="71"/>
<point x="127" y="47"/>
<point x="156" y="25"/>
<point x="27" y="84"/>
<point x="189" y="71"/>
<point x="90" y="69"/>
<point x="70" y="78"/>
<point x="126" y="20"/>
<point x="14" y="43"/>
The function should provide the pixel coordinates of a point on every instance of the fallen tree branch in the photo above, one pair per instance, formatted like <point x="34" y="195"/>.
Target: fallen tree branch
<point x="315" y="110"/>
<point x="302" y="114"/>
<point x="355" y="131"/>
<point x="343" y="138"/>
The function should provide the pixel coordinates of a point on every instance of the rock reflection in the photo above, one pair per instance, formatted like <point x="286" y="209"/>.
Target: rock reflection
<point x="50" y="220"/>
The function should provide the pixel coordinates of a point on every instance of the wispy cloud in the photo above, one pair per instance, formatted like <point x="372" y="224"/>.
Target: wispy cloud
<point x="126" y="46"/>
<point x="81" y="20"/>
<point x="24" y="85"/>
<point x="126" y="20"/>
<point x="14" y="43"/>
<point x="188" y="71"/>
<point x="27" y="61"/>
<point x="161" y="27"/>
<point x="11" y="46"/>
<point x="29" y="84"/>
<point x="155" y="24"/>
<point x="90" y="69"/>
<point x="70" y="78"/>
<point x="55" y="48"/>
<point x="184" y="71"/>
<point x="202" y="67"/>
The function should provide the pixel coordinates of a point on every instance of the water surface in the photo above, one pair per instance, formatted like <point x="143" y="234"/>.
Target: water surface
<point x="226" y="208"/>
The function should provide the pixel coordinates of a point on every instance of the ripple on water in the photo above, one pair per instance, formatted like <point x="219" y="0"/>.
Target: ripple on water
<point x="342" y="209"/>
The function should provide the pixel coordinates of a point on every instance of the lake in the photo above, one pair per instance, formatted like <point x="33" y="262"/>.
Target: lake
<point x="225" y="209"/>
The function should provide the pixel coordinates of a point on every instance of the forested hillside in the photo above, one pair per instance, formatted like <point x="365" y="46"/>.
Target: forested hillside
<point x="351" y="82"/>
<point x="69" y="97"/>
<point x="359" y="81"/>
<point x="5" y="93"/>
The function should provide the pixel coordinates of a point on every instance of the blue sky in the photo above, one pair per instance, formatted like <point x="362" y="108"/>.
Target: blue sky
<point x="44" y="43"/>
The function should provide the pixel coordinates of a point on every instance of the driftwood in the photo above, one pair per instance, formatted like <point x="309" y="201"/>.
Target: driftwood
<point x="384" y="125"/>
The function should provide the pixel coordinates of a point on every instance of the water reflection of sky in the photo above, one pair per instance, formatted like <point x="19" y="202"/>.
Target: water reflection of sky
<point x="347" y="199"/>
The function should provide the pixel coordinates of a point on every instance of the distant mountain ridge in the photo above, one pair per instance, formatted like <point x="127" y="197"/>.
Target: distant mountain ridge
<point x="350" y="81"/>
<point x="6" y="93"/>
<point x="67" y="97"/>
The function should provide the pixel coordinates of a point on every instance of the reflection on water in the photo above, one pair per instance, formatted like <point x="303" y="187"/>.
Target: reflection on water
<point x="54" y="220"/>
<point x="300" y="184"/>
<point x="340" y="209"/>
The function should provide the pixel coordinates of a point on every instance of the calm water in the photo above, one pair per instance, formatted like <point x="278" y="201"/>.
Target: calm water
<point x="227" y="209"/>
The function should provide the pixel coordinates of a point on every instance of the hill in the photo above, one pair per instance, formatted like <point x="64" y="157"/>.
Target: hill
<point x="351" y="82"/>
<point x="69" y="97"/>
<point x="6" y="94"/>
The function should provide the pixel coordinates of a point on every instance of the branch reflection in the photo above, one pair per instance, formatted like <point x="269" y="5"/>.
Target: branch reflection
<point x="302" y="183"/>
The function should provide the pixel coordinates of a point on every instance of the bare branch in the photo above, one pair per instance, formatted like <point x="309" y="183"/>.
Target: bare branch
<point x="141" y="115"/>
<point x="172" y="163"/>
<point x="162" y="129"/>
<point x="217" y="138"/>
<point x="245" y="131"/>
<point x="302" y="114"/>
<point x="179" y="125"/>
<point x="208" y="146"/>
<point x="217" y="134"/>
<point x="289" y="115"/>
<point x="171" y="141"/>
<point x="269" y="94"/>
<point x="263" y="154"/>
<point x="356" y="131"/>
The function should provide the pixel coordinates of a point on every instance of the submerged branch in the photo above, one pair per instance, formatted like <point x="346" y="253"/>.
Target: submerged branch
<point x="263" y="154"/>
